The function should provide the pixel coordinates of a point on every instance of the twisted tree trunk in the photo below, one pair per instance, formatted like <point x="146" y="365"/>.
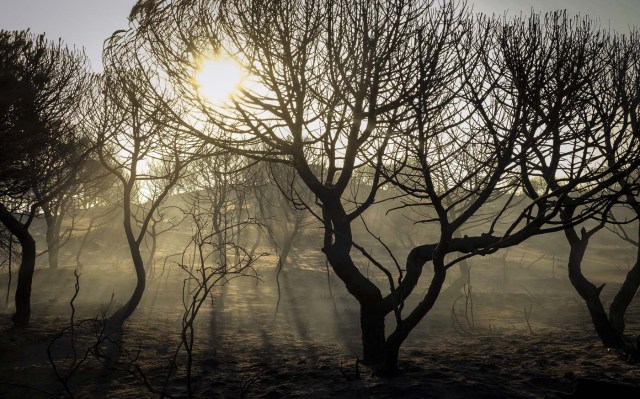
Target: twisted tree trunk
<point x="22" y="315"/>
<point x="610" y="336"/>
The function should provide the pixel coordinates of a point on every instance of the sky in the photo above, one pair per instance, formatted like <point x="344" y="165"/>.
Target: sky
<point x="87" y="23"/>
<point x="83" y="23"/>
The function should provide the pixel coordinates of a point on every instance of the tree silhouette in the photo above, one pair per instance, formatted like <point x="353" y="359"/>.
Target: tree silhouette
<point x="460" y="114"/>
<point x="613" y="112"/>
<point x="41" y="87"/>
<point x="140" y="147"/>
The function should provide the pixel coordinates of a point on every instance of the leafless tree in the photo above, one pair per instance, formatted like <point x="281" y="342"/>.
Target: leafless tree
<point x="139" y="148"/>
<point x="567" y="88"/>
<point x="612" y="141"/>
<point x="212" y="258"/>
<point x="329" y="98"/>
<point x="63" y="211"/>
<point x="280" y="201"/>
<point x="459" y="115"/>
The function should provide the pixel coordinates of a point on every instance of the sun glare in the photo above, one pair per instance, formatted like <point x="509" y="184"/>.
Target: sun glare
<point x="217" y="78"/>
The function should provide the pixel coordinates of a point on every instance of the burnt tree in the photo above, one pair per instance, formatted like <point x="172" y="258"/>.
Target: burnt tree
<point x="41" y="87"/>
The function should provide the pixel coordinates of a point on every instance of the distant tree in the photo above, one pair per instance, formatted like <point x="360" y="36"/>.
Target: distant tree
<point x="41" y="88"/>
<point x="62" y="211"/>
<point x="8" y="254"/>
<point x="218" y="186"/>
<point x="281" y="201"/>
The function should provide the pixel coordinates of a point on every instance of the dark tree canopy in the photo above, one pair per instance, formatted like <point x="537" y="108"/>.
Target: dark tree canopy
<point x="41" y="92"/>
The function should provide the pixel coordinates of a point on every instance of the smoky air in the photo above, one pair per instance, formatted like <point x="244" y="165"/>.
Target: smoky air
<point x="321" y="199"/>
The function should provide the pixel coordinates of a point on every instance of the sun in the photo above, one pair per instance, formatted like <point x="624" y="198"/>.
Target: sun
<point x="218" y="78"/>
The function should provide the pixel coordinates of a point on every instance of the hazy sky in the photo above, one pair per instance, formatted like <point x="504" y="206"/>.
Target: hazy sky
<point x="86" y="23"/>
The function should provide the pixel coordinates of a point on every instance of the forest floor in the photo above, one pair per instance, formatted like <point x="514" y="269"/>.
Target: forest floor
<point x="531" y="341"/>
